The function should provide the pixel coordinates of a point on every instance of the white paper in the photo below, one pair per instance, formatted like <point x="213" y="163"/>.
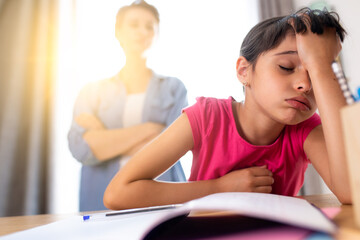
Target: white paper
<point x="120" y="227"/>
<point x="288" y="210"/>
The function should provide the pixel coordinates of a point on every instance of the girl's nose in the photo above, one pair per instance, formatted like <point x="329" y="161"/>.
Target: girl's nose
<point x="303" y="83"/>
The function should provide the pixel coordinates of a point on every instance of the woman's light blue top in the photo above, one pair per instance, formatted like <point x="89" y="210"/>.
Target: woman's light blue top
<point x="164" y="100"/>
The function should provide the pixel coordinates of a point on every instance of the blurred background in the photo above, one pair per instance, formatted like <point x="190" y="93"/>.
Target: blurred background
<point x="49" y="49"/>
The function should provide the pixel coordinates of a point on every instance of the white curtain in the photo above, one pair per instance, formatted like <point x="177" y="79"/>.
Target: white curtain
<point x="28" y="30"/>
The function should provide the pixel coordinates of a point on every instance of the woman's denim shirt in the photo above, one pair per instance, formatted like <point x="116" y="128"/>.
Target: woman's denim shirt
<point x="164" y="100"/>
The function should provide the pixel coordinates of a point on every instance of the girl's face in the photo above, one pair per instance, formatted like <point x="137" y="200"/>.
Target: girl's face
<point x="137" y="30"/>
<point x="280" y="86"/>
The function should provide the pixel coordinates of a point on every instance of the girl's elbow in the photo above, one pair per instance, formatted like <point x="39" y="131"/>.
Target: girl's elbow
<point x="345" y="199"/>
<point x="115" y="197"/>
<point x="111" y="199"/>
<point x="108" y="200"/>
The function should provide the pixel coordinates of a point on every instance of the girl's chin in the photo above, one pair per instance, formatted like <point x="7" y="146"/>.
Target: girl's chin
<point x="293" y="119"/>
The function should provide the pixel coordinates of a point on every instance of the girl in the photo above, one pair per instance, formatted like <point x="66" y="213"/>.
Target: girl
<point x="265" y="143"/>
<point x="115" y="117"/>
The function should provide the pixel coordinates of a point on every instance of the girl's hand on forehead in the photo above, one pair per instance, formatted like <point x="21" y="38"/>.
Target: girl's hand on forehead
<point x="317" y="50"/>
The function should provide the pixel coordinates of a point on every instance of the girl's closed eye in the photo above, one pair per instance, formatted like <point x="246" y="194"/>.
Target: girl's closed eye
<point x="286" y="69"/>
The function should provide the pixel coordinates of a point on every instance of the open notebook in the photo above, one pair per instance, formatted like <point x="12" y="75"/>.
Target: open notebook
<point x="228" y="213"/>
<point x="231" y="213"/>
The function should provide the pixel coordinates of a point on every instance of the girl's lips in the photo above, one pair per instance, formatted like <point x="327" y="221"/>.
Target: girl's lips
<point x="300" y="103"/>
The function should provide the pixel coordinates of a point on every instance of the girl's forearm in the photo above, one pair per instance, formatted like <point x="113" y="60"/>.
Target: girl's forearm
<point x="330" y="100"/>
<point x="144" y="193"/>
<point x="133" y="186"/>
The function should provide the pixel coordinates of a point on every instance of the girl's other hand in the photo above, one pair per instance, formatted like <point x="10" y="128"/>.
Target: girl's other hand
<point x="253" y="179"/>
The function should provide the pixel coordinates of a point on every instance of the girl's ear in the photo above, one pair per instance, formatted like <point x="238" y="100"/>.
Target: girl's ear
<point x="242" y="68"/>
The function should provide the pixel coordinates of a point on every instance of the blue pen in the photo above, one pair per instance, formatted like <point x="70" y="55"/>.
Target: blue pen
<point x="128" y="211"/>
<point x="339" y="73"/>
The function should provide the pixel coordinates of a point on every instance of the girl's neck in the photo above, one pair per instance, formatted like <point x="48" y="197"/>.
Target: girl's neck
<point x="255" y="128"/>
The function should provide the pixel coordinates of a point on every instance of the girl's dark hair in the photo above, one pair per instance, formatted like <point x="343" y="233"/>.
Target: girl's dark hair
<point x="137" y="4"/>
<point x="268" y="34"/>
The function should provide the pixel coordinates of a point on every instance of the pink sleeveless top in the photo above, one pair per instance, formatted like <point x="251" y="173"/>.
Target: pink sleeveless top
<point x="219" y="149"/>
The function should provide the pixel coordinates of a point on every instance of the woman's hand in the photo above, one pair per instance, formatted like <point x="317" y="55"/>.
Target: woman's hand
<point x="89" y="122"/>
<point x="253" y="179"/>
<point x="108" y="143"/>
<point x="155" y="128"/>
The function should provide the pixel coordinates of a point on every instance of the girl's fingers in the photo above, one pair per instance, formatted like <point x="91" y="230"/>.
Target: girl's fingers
<point x="261" y="171"/>
<point x="263" y="189"/>
<point x="263" y="181"/>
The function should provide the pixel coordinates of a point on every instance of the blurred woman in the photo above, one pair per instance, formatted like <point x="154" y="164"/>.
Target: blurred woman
<point x="114" y="118"/>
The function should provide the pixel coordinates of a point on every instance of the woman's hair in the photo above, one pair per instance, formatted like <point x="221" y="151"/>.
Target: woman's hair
<point x="137" y="4"/>
<point x="268" y="34"/>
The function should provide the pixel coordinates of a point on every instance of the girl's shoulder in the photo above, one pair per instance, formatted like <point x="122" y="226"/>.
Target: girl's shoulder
<point x="210" y="107"/>
<point x="209" y="116"/>
<point x="214" y="102"/>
